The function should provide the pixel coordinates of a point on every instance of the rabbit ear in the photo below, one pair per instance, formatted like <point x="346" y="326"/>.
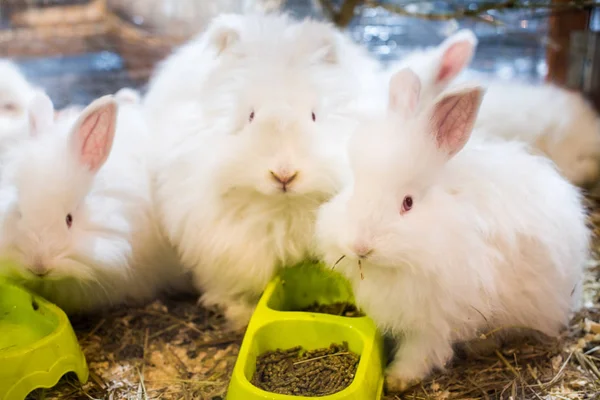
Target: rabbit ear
<point x="405" y="90"/>
<point x="128" y="95"/>
<point x="456" y="53"/>
<point x="453" y="118"/>
<point x="223" y="32"/>
<point x="321" y="41"/>
<point x="92" y="136"/>
<point x="41" y="113"/>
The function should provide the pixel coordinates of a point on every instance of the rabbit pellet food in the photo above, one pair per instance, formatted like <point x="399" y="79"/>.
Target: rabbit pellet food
<point x="293" y="371"/>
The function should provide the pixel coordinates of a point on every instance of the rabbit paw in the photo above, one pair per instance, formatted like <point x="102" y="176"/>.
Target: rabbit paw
<point x="398" y="385"/>
<point x="237" y="312"/>
<point x="238" y="315"/>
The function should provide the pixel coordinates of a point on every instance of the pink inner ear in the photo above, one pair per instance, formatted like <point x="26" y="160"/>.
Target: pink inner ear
<point x="454" y="60"/>
<point x="453" y="120"/>
<point x="95" y="136"/>
<point x="405" y="90"/>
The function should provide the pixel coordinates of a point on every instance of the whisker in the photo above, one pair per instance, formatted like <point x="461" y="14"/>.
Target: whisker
<point x="338" y="261"/>
<point x="362" y="277"/>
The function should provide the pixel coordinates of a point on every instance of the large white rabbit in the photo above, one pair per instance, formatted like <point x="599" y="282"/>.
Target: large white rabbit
<point x="251" y="120"/>
<point x="452" y="241"/>
<point x="76" y="217"/>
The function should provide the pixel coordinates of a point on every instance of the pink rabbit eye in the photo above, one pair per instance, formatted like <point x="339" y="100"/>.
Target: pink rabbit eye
<point x="314" y="117"/>
<point x="251" y="117"/>
<point x="69" y="220"/>
<point x="407" y="204"/>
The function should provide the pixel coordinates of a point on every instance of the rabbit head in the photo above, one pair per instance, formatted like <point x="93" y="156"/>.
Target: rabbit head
<point x="387" y="215"/>
<point x="274" y="106"/>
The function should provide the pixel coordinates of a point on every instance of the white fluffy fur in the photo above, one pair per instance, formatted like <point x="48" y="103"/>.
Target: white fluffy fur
<point x="232" y="224"/>
<point x="558" y="123"/>
<point x="555" y="122"/>
<point x="114" y="251"/>
<point x="15" y="95"/>
<point x="436" y="66"/>
<point x="128" y="95"/>
<point x="495" y="238"/>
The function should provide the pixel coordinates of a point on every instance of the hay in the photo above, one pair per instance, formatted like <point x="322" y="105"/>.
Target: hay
<point x="173" y="349"/>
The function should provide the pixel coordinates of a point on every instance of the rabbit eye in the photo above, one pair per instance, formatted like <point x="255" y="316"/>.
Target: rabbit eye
<point x="407" y="204"/>
<point x="314" y="117"/>
<point x="69" y="220"/>
<point x="9" y="107"/>
<point x="251" y="117"/>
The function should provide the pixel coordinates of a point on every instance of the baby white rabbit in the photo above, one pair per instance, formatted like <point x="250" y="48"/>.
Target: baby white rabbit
<point x="451" y="240"/>
<point x="251" y="123"/>
<point x="15" y="94"/>
<point x="77" y="222"/>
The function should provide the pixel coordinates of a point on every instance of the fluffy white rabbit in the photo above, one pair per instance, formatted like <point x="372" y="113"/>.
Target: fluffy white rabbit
<point x="451" y="241"/>
<point x="251" y="122"/>
<point x="560" y="124"/>
<point x="15" y="94"/>
<point x="556" y="122"/>
<point x="77" y="222"/>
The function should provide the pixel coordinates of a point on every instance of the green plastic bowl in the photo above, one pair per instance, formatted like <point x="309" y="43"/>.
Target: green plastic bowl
<point x="37" y="344"/>
<point x="274" y="326"/>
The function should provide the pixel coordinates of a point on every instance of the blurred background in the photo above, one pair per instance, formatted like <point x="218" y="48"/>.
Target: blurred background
<point x="81" y="49"/>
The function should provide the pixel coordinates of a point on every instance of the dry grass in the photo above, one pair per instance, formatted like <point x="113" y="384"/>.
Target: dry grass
<point x="172" y="349"/>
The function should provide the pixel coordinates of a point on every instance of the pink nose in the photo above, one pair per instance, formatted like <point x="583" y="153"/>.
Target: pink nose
<point x="39" y="269"/>
<point x="284" y="177"/>
<point x="362" y="250"/>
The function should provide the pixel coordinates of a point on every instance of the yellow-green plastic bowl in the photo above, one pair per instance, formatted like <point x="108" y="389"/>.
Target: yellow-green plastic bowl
<point x="274" y="326"/>
<point x="37" y="344"/>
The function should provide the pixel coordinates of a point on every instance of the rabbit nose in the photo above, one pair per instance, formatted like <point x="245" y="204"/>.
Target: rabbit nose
<point x="284" y="177"/>
<point x="362" y="250"/>
<point x="39" y="269"/>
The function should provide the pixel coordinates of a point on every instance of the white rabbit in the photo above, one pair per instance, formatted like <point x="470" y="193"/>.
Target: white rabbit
<point x="559" y="123"/>
<point x="556" y="122"/>
<point x="452" y="241"/>
<point x="77" y="222"/>
<point x="251" y="122"/>
<point x="15" y="94"/>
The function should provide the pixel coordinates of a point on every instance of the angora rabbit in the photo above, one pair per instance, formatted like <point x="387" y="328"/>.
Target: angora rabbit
<point x="76" y="219"/>
<point x="555" y="122"/>
<point x="451" y="240"/>
<point x="251" y="120"/>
